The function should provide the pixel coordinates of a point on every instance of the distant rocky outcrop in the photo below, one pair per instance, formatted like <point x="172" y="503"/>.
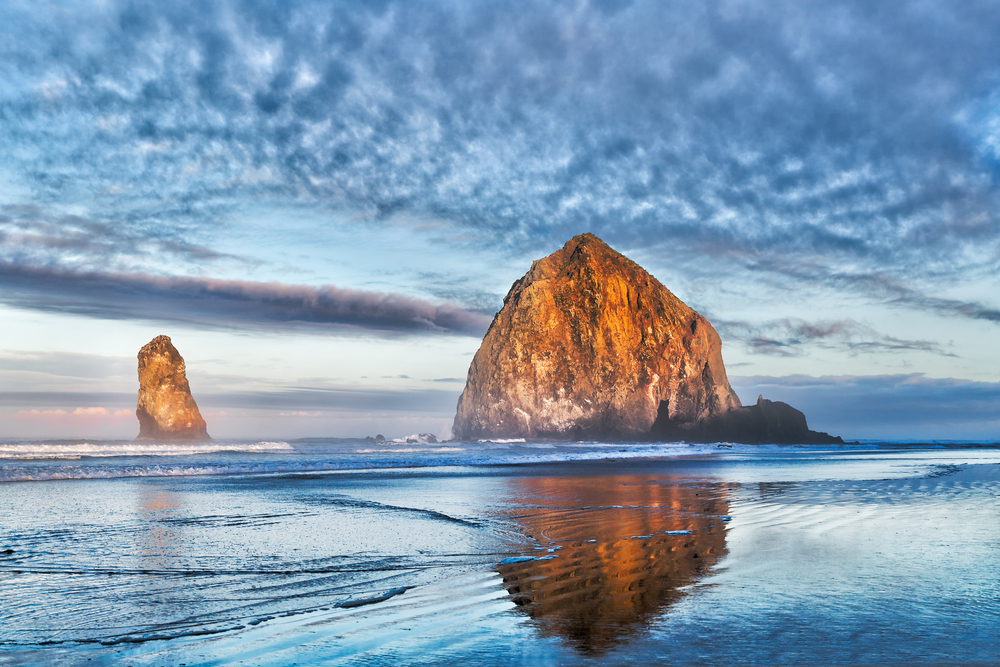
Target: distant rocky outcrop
<point x="767" y="422"/>
<point x="166" y="410"/>
<point x="588" y="345"/>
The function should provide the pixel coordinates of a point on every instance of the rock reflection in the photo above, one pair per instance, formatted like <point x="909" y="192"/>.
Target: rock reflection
<point x="612" y="552"/>
<point x="159" y="541"/>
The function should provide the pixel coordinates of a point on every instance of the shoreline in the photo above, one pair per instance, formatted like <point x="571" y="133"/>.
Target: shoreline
<point x="567" y="562"/>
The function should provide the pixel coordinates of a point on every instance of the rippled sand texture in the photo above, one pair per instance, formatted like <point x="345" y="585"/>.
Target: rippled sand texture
<point x="833" y="558"/>
<point x="618" y="550"/>
<point x="127" y="561"/>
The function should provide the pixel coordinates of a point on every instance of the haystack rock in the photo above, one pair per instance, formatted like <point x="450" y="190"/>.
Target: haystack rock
<point x="166" y="409"/>
<point x="588" y="345"/>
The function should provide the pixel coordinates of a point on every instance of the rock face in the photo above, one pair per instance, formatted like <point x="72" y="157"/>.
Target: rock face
<point x="590" y="345"/>
<point x="166" y="410"/>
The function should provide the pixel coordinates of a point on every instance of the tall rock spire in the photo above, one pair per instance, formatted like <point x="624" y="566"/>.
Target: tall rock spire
<point x="166" y="409"/>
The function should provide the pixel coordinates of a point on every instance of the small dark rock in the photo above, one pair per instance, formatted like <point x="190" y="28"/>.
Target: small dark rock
<point x="767" y="422"/>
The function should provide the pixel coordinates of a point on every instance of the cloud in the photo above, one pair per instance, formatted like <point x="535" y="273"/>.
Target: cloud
<point x="912" y="407"/>
<point x="456" y="289"/>
<point x="877" y="285"/>
<point x="855" y="138"/>
<point x="63" y="365"/>
<point x="291" y="399"/>
<point x="859" y="121"/>
<point x="65" y="400"/>
<point x="792" y="337"/>
<point x="213" y="303"/>
<point x="34" y="235"/>
<point x="60" y="414"/>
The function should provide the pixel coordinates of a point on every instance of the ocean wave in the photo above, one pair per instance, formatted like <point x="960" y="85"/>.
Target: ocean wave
<point x="417" y="439"/>
<point x="55" y="473"/>
<point x="77" y="450"/>
<point x="408" y="450"/>
<point x="66" y="460"/>
<point x="305" y="458"/>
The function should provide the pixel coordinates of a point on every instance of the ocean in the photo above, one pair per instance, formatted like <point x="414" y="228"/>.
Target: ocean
<point x="410" y="551"/>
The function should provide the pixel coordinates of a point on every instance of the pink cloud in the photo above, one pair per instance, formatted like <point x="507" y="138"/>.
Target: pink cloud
<point x="77" y="414"/>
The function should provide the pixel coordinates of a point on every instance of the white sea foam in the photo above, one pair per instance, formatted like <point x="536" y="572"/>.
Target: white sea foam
<point x="417" y="439"/>
<point x="77" y="450"/>
<point x="54" y="460"/>
<point x="408" y="450"/>
<point x="93" y="459"/>
<point x="67" y="472"/>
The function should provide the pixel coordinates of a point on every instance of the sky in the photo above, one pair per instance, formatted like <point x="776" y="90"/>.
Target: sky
<point x="324" y="203"/>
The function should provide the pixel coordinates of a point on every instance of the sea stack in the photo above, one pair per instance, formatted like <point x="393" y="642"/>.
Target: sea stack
<point x="166" y="409"/>
<point x="588" y="345"/>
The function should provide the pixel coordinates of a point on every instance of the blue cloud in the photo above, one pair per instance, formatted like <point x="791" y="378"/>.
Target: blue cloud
<point x="791" y="337"/>
<point x="912" y="407"/>
<point x="765" y="135"/>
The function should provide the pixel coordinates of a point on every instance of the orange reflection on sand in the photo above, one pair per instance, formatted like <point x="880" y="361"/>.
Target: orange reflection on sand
<point x="159" y="541"/>
<point x="613" y="566"/>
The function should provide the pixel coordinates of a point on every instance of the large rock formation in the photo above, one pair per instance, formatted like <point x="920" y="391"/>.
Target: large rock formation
<point x="590" y="345"/>
<point x="166" y="410"/>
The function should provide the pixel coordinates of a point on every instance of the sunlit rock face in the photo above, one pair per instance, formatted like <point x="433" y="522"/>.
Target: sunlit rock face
<point x="166" y="410"/>
<point x="590" y="345"/>
<point x="614" y="565"/>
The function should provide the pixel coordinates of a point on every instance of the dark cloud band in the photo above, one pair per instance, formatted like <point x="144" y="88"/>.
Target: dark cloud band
<point x="227" y="303"/>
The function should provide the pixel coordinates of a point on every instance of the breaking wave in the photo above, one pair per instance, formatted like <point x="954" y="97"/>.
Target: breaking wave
<point x="22" y="461"/>
<point x="74" y="450"/>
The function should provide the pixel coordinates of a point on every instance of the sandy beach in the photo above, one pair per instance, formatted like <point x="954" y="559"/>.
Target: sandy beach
<point x="881" y="556"/>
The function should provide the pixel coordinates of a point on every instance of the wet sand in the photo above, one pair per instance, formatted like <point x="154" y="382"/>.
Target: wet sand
<point x="822" y="559"/>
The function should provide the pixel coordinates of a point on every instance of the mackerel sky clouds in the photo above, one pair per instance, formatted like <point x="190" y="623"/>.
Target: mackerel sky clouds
<point x="315" y="199"/>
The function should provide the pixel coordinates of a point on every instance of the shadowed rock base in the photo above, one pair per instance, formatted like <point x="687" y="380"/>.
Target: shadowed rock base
<point x="767" y="422"/>
<point x="166" y="409"/>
